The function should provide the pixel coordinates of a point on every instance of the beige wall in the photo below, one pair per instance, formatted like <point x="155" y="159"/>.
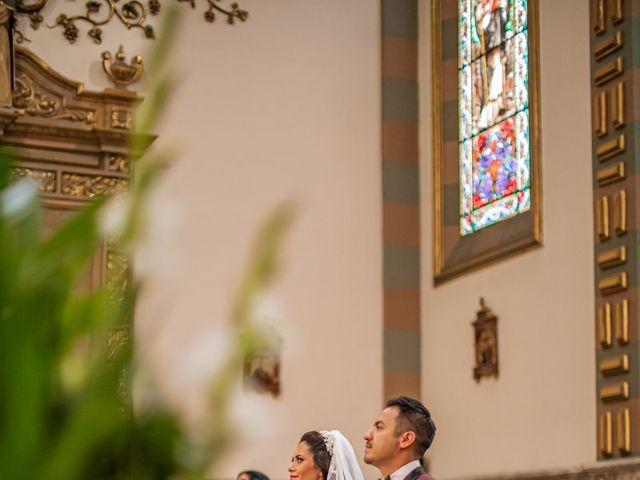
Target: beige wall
<point x="540" y="413"/>
<point x="285" y="106"/>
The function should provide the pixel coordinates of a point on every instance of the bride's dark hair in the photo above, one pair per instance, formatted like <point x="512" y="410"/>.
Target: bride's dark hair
<point x="321" y="457"/>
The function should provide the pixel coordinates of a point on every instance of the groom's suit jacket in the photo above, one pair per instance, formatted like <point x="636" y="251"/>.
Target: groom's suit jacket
<point x="418" y="474"/>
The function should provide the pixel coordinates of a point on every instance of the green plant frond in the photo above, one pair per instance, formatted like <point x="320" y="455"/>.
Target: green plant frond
<point x="20" y="216"/>
<point x="69" y="249"/>
<point x="89" y="313"/>
<point x="264" y="260"/>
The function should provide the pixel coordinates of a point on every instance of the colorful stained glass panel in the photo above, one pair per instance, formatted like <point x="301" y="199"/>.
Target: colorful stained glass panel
<point x="494" y="164"/>
<point x="493" y="92"/>
<point x="464" y="33"/>
<point x="492" y="22"/>
<point x="493" y="101"/>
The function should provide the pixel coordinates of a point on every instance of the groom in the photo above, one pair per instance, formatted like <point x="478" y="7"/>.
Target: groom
<point x="398" y="439"/>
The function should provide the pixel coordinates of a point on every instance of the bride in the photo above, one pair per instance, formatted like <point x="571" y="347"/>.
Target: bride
<point x="324" y="455"/>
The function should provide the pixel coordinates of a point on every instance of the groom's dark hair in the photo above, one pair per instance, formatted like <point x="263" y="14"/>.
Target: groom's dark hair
<point x="413" y="416"/>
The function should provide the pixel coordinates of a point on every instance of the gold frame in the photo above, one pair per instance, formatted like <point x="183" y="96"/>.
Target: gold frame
<point x="444" y="270"/>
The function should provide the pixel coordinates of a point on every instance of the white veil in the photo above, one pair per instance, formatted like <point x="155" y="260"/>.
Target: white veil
<point x="344" y="465"/>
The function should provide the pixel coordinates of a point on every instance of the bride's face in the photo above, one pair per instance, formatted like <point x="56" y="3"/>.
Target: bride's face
<point x="302" y="466"/>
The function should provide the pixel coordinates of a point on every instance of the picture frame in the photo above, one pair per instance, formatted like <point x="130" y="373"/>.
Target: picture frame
<point x="455" y="254"/>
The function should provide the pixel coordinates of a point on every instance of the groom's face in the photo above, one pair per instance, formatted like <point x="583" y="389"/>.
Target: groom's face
<point x="381" y="443"/>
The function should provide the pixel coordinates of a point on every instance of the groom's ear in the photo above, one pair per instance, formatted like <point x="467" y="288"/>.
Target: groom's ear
<point x="407" y="439"/>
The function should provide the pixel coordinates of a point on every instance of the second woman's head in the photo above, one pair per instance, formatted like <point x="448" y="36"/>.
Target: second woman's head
<point x="310" y="459"/>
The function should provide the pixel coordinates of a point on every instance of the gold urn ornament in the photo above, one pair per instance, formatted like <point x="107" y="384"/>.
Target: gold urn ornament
<point x="120" y="72"/>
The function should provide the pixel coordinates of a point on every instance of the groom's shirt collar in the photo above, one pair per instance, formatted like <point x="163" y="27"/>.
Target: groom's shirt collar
<point x="405" y="470"/>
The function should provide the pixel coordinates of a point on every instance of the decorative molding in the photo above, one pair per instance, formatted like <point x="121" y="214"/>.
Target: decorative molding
<point x="598" y="24"/>
<point x="121" y="118"/>
<point x="604" y="325"/>
<point x="613" y="284"/>
<point x="45" y="179"/>
<point x="29" y="99"/>
<point x="89" y="186"/>
<point x="608" y="45"/>
<point x="600" y="114"/>
<point x="620" y="212"/>
<point x="118" y="163"/>
<point x="120" y="72"/>
<point x="605" y="438"/>
<point x="611" y="174"/>
<point x="616" y="11"/>
<point x="624" y="431"/>
<point x="117" y="274"/>
<point x="610" y="148"/>
<point x="615" y="365"/>
<point x="621" y="317"/>
<point x="612" y="257"/>
<point x="617" y="105"/>
<point x="609" y="71"/>
<point x="117" y="338"/>
<point x="602" y="218"/>
<point x="619" y="391"/>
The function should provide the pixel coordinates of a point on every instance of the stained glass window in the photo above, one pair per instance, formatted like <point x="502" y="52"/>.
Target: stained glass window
<point x="493" y="107"/>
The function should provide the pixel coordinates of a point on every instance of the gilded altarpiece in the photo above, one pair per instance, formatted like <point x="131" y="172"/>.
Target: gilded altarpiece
<point x="75" y="144"/>
<point x="615" y="51"/>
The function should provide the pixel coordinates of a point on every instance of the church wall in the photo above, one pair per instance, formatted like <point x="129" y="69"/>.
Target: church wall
<point x="540" y="412"/>
<point x="284" y="106"/>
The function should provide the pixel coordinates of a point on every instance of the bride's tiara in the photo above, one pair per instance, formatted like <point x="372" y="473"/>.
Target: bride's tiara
<point x="328" y="438"/>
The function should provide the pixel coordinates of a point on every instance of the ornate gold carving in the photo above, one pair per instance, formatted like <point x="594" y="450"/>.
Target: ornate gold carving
<point x="615" y="365"/>
<point x="118" y="71"/>
<point x="117" y="276"/>
<point x="235" y="12"/>
<point x="613" y="284"/>
<point x="624" y="431"/>
<point x="621" y="316"/>
<point x="612" y="257"/>
<point x="89" y="186"/>
<point x="608" y="45"/>
<point x="598" y="24"/>
<point x="611" y="70"/>
<point x="611" y="174"/>
<point x="616" y="11"/>
<point x="619" y="391"/>
<point x="611" y="148"/>
<point x="604" y="434"/>
<point x="45" y="179"/>
<point x="117" y="163"/>
<point x="604" y="325"/>
<point x="132" y="14"/>
<point x="121" y="119"/>
<point x="617" y="105"/>
<point x="29" y="99"/>
<point x="620" y="212"/>
<point x="600" y="113"/>
<point x="602" y="218"/>
<point x="117" y="338"/>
